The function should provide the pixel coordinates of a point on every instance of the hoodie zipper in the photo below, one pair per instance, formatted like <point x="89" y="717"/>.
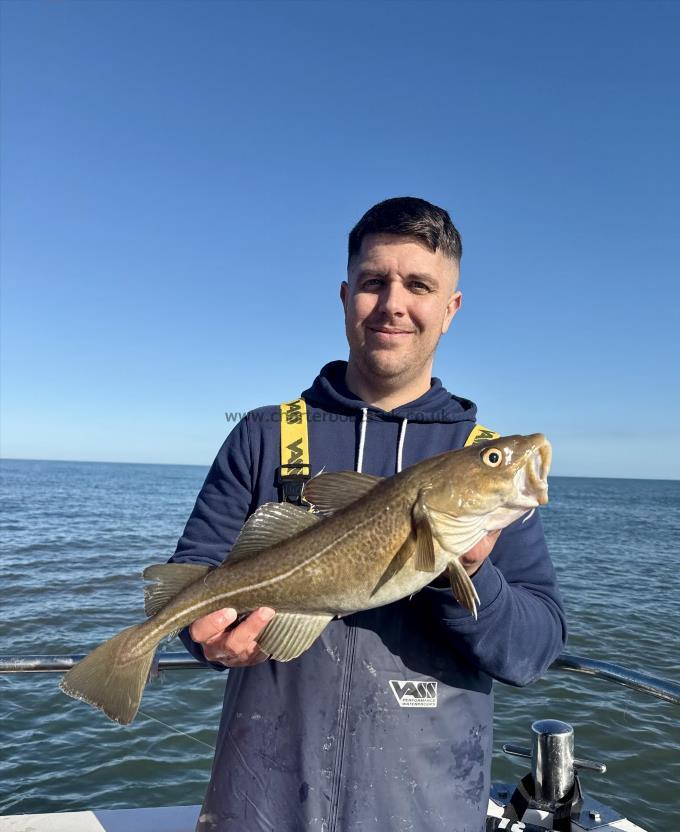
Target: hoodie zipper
<point x="342" y="729"/>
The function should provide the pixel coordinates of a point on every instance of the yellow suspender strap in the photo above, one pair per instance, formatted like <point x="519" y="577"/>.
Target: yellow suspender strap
<point x="480" y="434"/>
<point x="295" y="467"/>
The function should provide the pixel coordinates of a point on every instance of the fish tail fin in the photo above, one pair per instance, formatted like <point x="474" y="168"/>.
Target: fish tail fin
<point x="112" y="677"/>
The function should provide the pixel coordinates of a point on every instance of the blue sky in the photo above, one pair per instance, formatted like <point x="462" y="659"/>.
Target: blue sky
<point x="178" y="182"/>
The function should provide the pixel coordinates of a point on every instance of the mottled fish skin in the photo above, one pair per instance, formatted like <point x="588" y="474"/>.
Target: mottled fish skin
<point x="364" y="555"/>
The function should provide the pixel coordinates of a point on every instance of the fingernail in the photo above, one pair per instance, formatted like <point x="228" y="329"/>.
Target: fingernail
<point x="267" y="614"/>
<point x="228" y="617"/>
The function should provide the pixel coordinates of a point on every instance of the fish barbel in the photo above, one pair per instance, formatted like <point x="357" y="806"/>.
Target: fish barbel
<point x="367" y="542"/>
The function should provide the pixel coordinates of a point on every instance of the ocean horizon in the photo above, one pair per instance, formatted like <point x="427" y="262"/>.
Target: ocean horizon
<point x="207" y="465"/>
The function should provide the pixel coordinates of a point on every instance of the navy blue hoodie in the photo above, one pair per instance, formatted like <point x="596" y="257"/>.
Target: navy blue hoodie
<point x="385" y="723"/>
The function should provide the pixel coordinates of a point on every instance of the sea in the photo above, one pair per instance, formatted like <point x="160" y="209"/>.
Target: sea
<point x="76" y="536"/>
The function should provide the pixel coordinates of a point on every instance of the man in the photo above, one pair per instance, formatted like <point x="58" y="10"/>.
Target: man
<point x="330" y="741"/>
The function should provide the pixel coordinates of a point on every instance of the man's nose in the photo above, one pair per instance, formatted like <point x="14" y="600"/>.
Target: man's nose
<point x="393" y="298"/>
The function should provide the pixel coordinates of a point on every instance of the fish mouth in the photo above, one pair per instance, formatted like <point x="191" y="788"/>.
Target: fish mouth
<point x="537" y="471"/>
<point x="532" y="478"/>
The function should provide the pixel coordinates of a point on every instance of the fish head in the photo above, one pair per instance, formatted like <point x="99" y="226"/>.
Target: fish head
<point x="501" y="479"/>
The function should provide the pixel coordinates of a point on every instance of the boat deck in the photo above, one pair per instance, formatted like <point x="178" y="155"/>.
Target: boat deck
<point x="183" y="819"/>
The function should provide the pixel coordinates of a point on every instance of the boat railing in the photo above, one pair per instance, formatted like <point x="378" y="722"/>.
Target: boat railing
<point x="652" y="685"/>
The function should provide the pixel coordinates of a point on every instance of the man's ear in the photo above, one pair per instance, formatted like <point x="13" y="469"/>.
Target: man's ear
<point x="344" y="294"/>
<point x="451" y="308"/>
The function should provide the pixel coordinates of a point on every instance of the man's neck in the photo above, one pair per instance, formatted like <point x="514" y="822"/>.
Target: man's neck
<point x="383" y="394"/>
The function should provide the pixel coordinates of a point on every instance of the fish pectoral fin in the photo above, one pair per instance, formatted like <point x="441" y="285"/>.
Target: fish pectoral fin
<point x="289" y="634"/>
<point x="463" y="589"/>
<point x="425" y="559"/>
<point x="169" y="579"/>
<point x="328" y="493"/>
<point x="269" y="525"/>
<point x="456" y="534"/>
<point x="424" y="549"/>
<point x="405" y="553"/>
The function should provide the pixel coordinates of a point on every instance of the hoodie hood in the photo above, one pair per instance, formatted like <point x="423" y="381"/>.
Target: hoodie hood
<point x="330" y="392"/>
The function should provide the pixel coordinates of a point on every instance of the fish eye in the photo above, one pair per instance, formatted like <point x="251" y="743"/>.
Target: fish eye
<point x="492" y="457"/>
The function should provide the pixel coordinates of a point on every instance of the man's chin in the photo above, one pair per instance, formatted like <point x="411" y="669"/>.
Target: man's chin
<point x="387" y="364"/>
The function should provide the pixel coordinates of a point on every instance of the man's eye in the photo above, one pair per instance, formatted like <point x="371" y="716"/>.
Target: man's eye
<point x="419" y="287"/>
<point x="372" y="282"/>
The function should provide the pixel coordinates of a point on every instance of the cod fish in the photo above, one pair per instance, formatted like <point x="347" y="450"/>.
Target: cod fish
<point x="365" y="542"/>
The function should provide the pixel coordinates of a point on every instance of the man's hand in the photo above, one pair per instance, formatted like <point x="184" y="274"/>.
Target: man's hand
<point x="473" y="559"/>
<point x="231" y="646"/>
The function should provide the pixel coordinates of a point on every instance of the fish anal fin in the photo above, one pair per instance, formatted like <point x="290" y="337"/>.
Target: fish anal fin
<point x="169" y="579"/>
<point x="463" y="589"/>
<point x="272" y="523"/>
<point x="289" y="634"/>
<point x="335" y="490"/>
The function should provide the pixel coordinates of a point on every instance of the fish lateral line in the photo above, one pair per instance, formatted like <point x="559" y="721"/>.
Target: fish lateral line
<point x="176" y="620"/>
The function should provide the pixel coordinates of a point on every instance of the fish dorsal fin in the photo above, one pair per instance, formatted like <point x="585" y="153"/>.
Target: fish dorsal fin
<point x="269" y="525"/>
<point x="289" y="634"/>
<point x="169" y="579"/>
<point x="330" y="492"/>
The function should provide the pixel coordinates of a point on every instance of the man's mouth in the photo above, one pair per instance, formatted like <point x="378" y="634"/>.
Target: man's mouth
<point x="388" y="332"/>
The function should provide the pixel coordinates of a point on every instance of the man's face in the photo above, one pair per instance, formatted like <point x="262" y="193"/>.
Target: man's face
<point x="399" y="300"/>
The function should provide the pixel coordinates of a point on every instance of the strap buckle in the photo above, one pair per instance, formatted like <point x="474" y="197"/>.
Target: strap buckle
<point x="290" y="485"/>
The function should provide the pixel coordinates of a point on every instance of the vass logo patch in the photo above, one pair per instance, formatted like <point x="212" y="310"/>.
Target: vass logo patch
<point x="294" y="413"/>
<point x="295" y="449"/>
<point x="415" y="694"/>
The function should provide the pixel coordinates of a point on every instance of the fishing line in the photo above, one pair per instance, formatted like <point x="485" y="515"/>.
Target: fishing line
<point x="8" y="683"/>
<point x="16" y="704"/>
<point x="176" y="730"/>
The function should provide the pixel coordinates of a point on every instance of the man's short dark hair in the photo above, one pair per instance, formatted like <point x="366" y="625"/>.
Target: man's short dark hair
<point x="408" y="216"/>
